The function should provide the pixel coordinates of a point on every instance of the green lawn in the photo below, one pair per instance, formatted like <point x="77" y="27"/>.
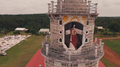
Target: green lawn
<point x="19" y="55"/>
<point x="107" y="63"/>
<point x="113" y="44"/>
<point x="98" y="34"/>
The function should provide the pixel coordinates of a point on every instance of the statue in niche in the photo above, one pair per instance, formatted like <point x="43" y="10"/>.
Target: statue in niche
<point x="73" y="37"/>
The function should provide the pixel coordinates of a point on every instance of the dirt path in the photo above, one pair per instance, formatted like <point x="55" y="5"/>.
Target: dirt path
<point x="110" y="54"/>
<point x="110" y="38"/>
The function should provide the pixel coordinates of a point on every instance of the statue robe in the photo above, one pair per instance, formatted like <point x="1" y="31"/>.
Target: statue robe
<point x="73" y="39"/>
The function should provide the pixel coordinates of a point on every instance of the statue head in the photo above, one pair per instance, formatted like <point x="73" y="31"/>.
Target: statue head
<point x="74" y="26"/>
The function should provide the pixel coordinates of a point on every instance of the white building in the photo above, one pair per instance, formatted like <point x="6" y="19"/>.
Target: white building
<point x="44" y="31"/>
<point x="21" y="29"/>
<point x="99" y="27"/>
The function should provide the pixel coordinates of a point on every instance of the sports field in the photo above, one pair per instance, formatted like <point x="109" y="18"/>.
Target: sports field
<point x="19" y="55"/>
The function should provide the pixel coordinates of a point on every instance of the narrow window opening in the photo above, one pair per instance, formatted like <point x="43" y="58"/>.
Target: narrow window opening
<point x="87" y="22"/>
<point x="86" y="31"/>
<point x="86" y="40"/>
<point x="60" y="40"/>
<point x="60" y="32"/>
<point x="60" y="22"/>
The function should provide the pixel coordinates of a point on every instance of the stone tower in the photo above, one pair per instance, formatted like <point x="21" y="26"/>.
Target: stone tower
<point x="70" y="42"/>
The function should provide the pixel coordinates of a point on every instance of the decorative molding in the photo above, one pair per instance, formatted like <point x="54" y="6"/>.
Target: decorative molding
<point x="80" y="19"/>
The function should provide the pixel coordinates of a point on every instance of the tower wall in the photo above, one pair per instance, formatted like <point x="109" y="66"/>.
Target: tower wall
<point x="52" y="63"/>
<point x="72" y="30"/>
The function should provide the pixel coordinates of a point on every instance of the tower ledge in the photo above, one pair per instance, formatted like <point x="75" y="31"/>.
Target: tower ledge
<point x="63" y="56"/>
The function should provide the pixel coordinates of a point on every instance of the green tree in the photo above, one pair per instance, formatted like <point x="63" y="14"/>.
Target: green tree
<point x="95" y="30"/>
<point x="29" y="21"/>
<point x="16" y="32"/>
<point x="114" y="26"/>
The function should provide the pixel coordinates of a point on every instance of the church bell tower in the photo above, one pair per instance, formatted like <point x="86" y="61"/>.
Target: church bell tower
<point x="70" y="43"/>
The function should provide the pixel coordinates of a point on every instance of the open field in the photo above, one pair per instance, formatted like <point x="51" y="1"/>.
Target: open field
<point x="114" y="44"/>
<point x="109" y="34"/>
<point x="19" y="55"/>
<point x="111" y="49"/>
<point x="107" y="63"/>
<point x="110" y="57"/>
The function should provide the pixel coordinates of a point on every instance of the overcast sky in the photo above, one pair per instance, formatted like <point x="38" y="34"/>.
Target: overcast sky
<point x="105" y="7"/>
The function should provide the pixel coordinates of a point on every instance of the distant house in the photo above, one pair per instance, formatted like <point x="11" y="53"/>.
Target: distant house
<point x="44" y="31"/>
<point x="100" y="27"/>
<point x="21" y="29"/>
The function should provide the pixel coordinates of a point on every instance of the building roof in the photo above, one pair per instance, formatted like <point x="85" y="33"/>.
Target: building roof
<point x="99" y="27"/>
<point x="44" y="29"/>
<point x="21" y="29"/>
<point x="38" y="59"/>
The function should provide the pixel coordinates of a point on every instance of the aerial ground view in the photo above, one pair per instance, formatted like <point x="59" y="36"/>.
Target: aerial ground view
<point x="59" y="33"/>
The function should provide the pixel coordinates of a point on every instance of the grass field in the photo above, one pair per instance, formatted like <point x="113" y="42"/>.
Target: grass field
<point x="107" y="63"/>
<point x="99" y="35"/>
<point x="19" y="55"/>
<point x="113" y="44"/>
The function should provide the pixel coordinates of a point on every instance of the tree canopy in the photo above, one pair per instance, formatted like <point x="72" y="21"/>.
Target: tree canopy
<point x="33" y="22"/>
<point x="114" y="26"/>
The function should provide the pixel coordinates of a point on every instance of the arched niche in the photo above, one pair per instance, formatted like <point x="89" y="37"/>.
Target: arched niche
<point x="79" y="38"/>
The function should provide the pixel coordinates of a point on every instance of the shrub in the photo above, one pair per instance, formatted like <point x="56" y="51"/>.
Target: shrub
<point x="16" y="32"/>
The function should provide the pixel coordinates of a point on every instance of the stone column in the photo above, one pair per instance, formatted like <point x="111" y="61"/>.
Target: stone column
<point x="89" y="6"/>
<point x="52" y="6"/>
<point x="96" y="51"/>
<point x="47" y="49"/>
<point x="96" y="7"/>
<point x="60" y="6"/>
<point x="100" y="42"/>
<point x="48" y="7"/>
<point x="96" y="65"/>
<point x="102" y="47"/>
<point x="83" y="32"/>
<point x="46" y="37"/>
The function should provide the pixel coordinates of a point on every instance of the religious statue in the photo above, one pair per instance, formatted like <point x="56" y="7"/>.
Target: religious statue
<point x="73" y="37"/>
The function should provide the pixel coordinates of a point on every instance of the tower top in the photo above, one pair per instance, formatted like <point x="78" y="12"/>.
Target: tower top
<point x="78" y="7"/>
<point x="71" y="38"/>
